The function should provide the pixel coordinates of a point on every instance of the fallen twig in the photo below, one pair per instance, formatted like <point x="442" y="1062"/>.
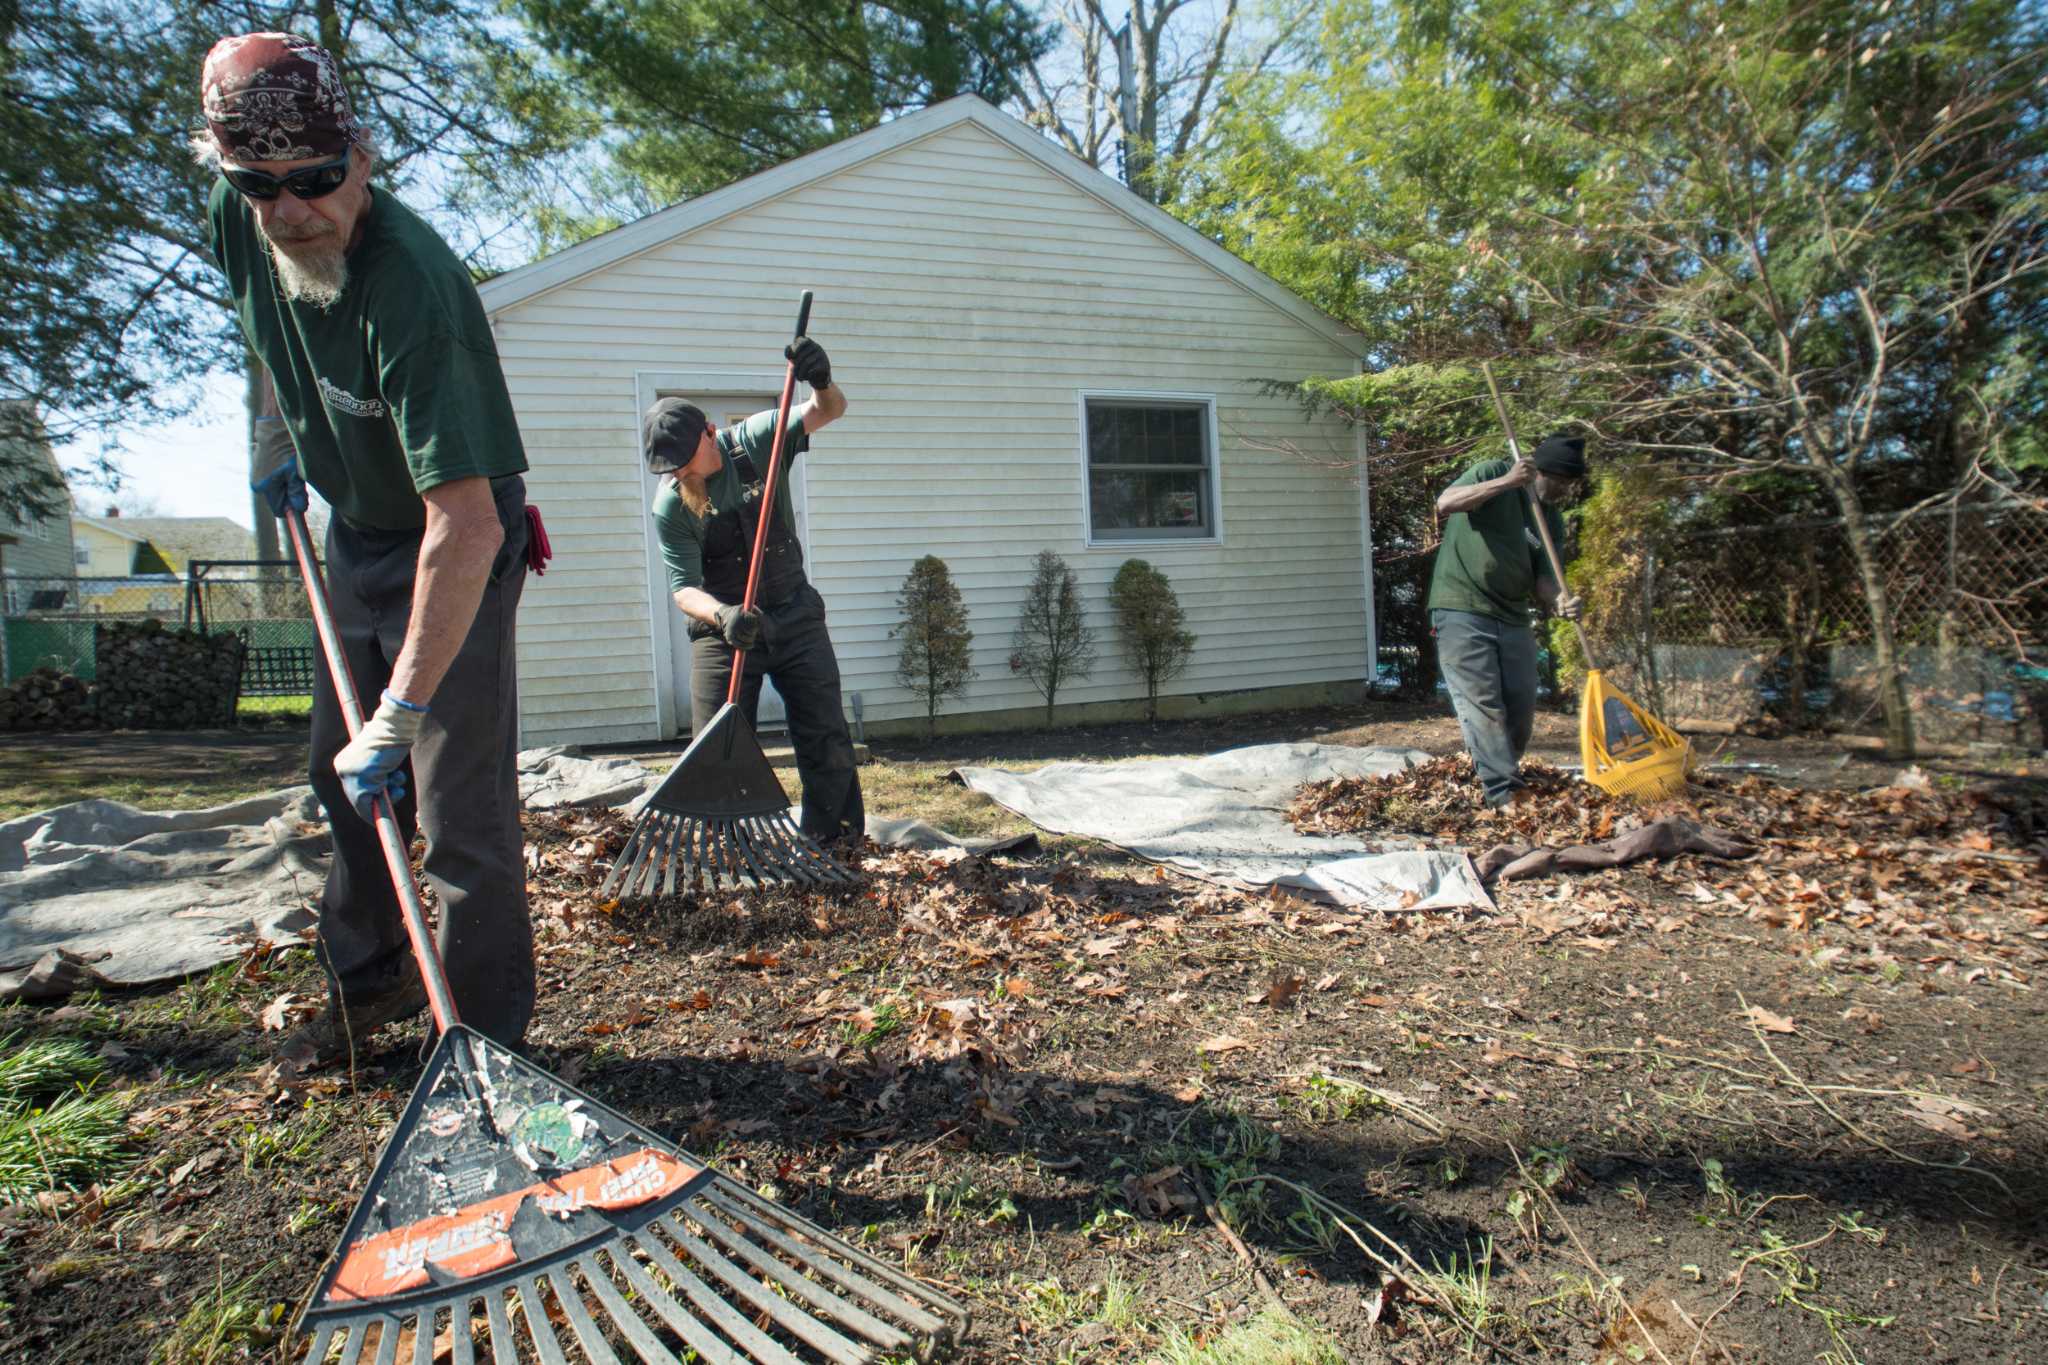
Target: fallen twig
<point x="1201" y="1184"/>
<point x="1854" y="1131"/>
<point x="1531" y="1182"/>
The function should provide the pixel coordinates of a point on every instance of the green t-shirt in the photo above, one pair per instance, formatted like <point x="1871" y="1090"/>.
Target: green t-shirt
<point x="396" y="388"/>
<point x="686" y="537"/>
<point x="1491" y="556"/>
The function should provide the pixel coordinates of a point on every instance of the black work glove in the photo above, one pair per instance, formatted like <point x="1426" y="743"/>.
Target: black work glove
<point x="813" y="366"/>
<point x="741" y="626"/>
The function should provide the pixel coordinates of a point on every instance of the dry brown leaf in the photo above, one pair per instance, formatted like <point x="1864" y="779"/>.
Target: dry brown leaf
<point x="1939" y="1114"/>
<point x="1770" y="1023"/>
<point x="287" y="1010"/>
<point x="1283" y="989"/>
<point x="1223" y="1042"/>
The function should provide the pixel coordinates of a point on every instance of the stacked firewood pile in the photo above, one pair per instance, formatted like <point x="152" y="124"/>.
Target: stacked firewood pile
<point x="47" y="700"/>
<point x="154" y="678"/>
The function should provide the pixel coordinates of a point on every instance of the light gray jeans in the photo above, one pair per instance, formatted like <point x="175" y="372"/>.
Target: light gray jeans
<point x="1490" y="668"/>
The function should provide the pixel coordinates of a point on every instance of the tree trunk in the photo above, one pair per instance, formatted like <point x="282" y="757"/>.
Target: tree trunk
<point x="1898" y="711"/>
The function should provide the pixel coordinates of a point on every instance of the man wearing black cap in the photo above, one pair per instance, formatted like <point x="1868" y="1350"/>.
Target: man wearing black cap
<point x="706" y="510"/>
<point x="1490" y="570"/>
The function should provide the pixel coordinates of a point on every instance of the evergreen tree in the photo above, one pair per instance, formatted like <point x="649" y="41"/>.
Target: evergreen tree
<point x="1053" y="644"/>
<point x="933" y="661"/>
<point x="1155" y="634"/>
<point x="692" y="95"/>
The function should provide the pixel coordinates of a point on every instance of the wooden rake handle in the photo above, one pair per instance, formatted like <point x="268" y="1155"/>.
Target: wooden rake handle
<point x="1535" y="513"/>
<point x="739" y="656"/>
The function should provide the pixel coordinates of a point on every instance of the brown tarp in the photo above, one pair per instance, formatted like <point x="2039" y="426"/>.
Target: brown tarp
<point x="1663" y="839"/>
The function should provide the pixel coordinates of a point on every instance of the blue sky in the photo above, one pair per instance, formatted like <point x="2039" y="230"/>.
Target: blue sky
<point x="195" y="467"/>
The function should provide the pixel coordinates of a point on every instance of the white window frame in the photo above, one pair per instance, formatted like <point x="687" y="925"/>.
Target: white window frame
<point x="1205" y="401"/>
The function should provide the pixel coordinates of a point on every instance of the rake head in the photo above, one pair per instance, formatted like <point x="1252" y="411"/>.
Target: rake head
<point x="512" y="1218"/>
<point x="719" y="821"/>
<point x="669" y="853"/>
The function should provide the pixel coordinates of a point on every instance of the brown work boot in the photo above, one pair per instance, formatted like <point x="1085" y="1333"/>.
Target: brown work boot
<point x="326" y="1038"/>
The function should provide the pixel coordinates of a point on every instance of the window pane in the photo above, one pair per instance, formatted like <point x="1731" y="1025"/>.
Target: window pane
<point x="1130" y="431"/>
<point x="1137" y="500"/>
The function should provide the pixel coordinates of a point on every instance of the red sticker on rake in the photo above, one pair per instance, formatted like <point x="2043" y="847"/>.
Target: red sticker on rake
<point x="478" y="1239"/>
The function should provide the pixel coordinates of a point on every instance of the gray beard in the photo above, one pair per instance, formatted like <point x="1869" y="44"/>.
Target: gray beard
<point x="316" y="278"/>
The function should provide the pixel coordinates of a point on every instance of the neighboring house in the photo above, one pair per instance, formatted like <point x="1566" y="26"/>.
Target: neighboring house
<point x="118" y="548"/>
<point x="1034" y="357"/>
<point x="35" y="547"/>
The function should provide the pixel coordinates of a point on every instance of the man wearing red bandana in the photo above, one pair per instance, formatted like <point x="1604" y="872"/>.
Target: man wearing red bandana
<point x="388" y="383"/>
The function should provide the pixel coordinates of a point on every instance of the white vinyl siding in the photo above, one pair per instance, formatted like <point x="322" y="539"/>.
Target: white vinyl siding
<point x="970" y="298"/>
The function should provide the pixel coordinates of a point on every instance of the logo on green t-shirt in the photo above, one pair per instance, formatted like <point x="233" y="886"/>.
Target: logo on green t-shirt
<point x="341" y="400"/>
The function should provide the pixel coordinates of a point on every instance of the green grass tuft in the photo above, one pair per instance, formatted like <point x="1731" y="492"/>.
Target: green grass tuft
<point x="1274" y="1337"/>
<point x="54" y="1134"/>
<point x="223" y="1325"/>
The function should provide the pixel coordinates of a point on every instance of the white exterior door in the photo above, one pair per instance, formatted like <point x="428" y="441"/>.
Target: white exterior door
<point x="726" y="409"/>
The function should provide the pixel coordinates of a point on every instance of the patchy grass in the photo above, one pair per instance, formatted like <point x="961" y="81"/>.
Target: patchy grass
<point x="55" y="1134"/>
<point x="1274" y="1337"/>
<point x="274" y="709"/>
<point x="225" y="1324"/>
<point x="153" y="772"/>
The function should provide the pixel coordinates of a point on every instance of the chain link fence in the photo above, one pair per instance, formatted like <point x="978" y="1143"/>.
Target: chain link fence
<point x="1770" y="626"/>
<point x="48" y="622"/>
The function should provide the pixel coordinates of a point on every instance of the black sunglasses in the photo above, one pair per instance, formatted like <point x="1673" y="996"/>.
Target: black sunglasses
<point x="309" y="183"/>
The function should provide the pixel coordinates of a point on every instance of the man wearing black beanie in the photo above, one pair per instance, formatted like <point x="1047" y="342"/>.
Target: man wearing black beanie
<point x="1490" y="570"/>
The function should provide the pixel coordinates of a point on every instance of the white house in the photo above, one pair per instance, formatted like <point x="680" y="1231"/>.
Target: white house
<point x="1034" y="358"/>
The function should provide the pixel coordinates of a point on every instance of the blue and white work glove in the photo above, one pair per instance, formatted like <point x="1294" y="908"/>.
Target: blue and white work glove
<point x="275" y="470"/>
<point x="373" y="764"/>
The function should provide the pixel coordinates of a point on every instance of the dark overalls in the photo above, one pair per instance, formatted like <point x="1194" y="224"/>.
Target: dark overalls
<point x="795" y="652"/>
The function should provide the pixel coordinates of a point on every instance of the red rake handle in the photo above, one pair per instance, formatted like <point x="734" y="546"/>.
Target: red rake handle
<point x="439" y="998"/>
<point x="739" y="656"/>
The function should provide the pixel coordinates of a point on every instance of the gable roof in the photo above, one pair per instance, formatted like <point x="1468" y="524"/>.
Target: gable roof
<point x="115" y="526"/>
<point x="181" y="540"/>
<point x="656" y="229"/>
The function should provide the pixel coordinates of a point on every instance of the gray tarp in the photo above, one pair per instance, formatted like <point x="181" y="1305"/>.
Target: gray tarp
<point x="145" y="896"/>
<point x="98" y="893"/>
<point x="1223" y="817"/>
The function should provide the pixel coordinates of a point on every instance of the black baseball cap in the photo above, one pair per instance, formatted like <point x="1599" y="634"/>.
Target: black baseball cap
<point x="669" y="433"/>
<point x="1564" y="456"/>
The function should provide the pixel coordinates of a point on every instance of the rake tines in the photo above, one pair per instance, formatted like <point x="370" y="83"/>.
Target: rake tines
<point x="723" y="1274"/>
<point x="513" y="1218"/>
<point x="667" y="854"/>
<point x="719" y="821"/>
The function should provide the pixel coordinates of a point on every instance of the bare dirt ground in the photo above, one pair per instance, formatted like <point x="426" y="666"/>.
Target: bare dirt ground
<point x="1782" y="1109"/>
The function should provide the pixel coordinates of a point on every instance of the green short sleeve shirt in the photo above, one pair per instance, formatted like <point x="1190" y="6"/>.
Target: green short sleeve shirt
<point x="1491" y="556"/>
<point x="393" y="390"/>
<point x="684" y="534"/>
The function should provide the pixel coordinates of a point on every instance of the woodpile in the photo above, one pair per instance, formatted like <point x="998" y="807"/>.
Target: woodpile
<point x="47" y="700"/>
<point x="154" y="678"/>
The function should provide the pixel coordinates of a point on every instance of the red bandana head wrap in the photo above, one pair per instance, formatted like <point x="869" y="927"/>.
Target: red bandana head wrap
<point x="275" y="97"/>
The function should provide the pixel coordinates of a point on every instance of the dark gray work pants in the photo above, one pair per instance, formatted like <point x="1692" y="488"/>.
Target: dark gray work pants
<point x="462" y="789"/>
<point x="797" y="653"/>
<point x="1490" y="668"/>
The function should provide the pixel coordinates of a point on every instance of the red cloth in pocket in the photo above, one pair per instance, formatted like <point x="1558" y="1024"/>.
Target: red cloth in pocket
<point x="538" y="551"/>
